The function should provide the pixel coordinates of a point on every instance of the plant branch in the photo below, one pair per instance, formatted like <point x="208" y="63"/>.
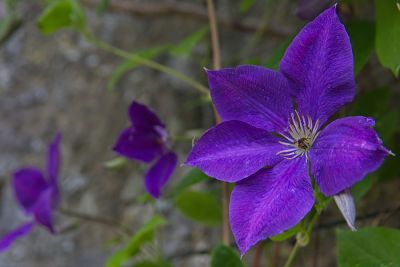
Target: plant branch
<point x="149" y="63"/>
<point x="192" y="11"/>
<point x="292" y="254"/>
<point x="95" y="219"/>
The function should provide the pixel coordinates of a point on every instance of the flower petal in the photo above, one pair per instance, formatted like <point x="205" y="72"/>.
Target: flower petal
<point x="9" y="238"/>
<point x="43" y="209"/>
<point x="53" y="160"/>
<point x="252" y="94"/>
<point x="319" y="62"/>
<point x="345" y="202"/>
<point x="142" y="117"/>
<point x="345" y="152"/>
<point x="270" y="202"/>
<point x="234" y="150"/>
<point x="139" y="145"/>
<point x="159" y="174"/>
<point x="28" y="184"/>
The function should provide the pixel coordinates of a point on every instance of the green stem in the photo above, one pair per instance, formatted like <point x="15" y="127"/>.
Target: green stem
<point x="149" y="63"/>
<point x="292" y="254"/>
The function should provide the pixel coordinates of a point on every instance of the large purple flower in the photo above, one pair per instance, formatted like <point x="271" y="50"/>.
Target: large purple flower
<point x="275" y="129"/>
<point x="37" y="195"/>
<point x="146" y="140"/>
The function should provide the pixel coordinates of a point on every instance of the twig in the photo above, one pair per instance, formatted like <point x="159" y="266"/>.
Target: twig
<point x="277" y="255"/>
<point x="214" y="35"/>
<point x="292" y="254"/>
<point x="95" y="219"/>
<point x="192" y="11"/>
<point x="257" y="256"/>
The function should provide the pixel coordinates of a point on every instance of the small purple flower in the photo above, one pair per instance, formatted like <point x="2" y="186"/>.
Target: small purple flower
<point x="275" y="131"/>
<point x="146" y="140"/>
<point x="37" y="195"/>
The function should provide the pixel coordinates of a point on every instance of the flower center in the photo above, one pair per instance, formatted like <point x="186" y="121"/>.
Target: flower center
<point x="302" y="134"/>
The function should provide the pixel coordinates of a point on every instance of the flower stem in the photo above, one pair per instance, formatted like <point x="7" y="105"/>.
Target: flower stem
<point x="217" y="65"/>
<point x="95" y="219"/>
<point x="292" y="255"/>
<point x="147" y="62"/>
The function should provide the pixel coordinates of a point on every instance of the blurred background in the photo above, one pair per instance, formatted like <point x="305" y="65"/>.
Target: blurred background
<point x="61" y="82"/>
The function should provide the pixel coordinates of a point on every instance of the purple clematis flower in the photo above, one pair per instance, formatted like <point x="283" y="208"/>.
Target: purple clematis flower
<point x="146" y="141"/>
<point x="275" y="132"/>
<point x="37" y="195"/>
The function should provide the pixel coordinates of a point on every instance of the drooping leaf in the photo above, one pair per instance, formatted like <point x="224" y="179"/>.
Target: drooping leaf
<point x="362" y="35"/>
<point x="388" y="34"/>
<point x="224" y="256"/>
<point x="273" y="61"/>
<point x="369" y="247"/>
<point x="142" y="236"/>
<point x="61" y="14"/>
<point x="245" y="5"/>
<point x="128" y="65"/>
<point x="185" y="47"/>
<point x="200" y="206"/>
<point x="194" y="176"/>
<point x="288" y="233"/>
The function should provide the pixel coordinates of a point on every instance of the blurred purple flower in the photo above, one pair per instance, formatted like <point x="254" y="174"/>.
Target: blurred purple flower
<point x="309" y="9"/>
<point x="276" y="123"/>
<point x="38" y="196"/>
<point x="146" y="140"/>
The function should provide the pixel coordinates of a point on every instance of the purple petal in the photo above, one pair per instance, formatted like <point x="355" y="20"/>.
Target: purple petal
<point x="309" y="9"/>
<point x="28" y="184"/>
<point x="345" y="202"/>
<point x="9" y="238"/>
<point x="143" y="118"/>
<point x="270" y="202"/>
<point x="159" y="174"/>
<point x="252" y="94"/>
<point x="139" y="145"/>
<point x="53" y="160"/>
<point x="234" y="150"/>
<point x="345" y="152"/>
<point x="43" y="209"/>
<point x="319" y="62"/>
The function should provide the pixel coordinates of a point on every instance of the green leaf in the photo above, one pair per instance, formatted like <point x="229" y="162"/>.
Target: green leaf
<point x="185" y="47"/>
<point x="361" y="188"/>
<point x="200" y="206"/>
<point x="116" y="164"/>
<point x="388" y="34"/>
<point x="372" y="103"/>
<point x="273" y="61"/>
<point x="128" y="65"/>
<point x="288" y="234"/>
<point x="223" y="256"/>
<point x="61" y="14"/>
<point x="194" y="176"/>
<point x="144" y="235"/>
<point x="369" y="247"/>
<point x="362" y="35"/>
<point x="148" y="263"/>
<point x="245" y="5"/>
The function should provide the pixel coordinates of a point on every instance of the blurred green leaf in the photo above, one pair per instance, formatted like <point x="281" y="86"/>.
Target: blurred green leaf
<point x="194" y="176"/>
<point x="245" y="5"/>
<point x="369" y="247"/>
<point x="361" y="188"/>
<point x="116" y="164"/>
<point x="61" y="14"/>
<point x="144" y="235"/>
<point x="388" y="34"/>
<point x="102" y="6"/>
<point x="128" y="65"/>
<point x="362" y="35"/>
<point x="224" y="256"/>
<point x="185" y="47"/>
<point x="273" y="61"/>
<point x="372" y="103"/>
<point x="152" y="264"/>
<point x="200" y="206"/>
<point x="288" y="233"/>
